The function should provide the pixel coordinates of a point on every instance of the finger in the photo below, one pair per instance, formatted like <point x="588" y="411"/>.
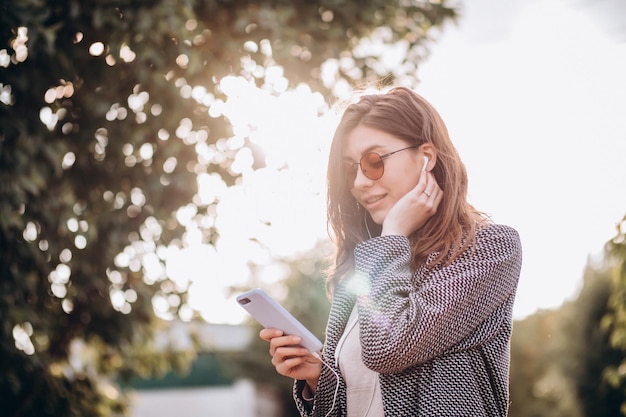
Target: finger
<point x="269" y="334"/>
<point x="284" y="341"/>
<point x="292" y="367"/>
<point x="422" y="182"/>
<point x="284" y="354"/>
<point x="431" y="188"/>
<point x="435" y="200"/>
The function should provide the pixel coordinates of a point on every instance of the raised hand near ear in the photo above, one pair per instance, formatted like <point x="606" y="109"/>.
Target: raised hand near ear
<point x="412" y="211"/>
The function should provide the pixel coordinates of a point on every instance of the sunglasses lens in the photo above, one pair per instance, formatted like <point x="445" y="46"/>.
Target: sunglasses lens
<point x="372" y="166"/>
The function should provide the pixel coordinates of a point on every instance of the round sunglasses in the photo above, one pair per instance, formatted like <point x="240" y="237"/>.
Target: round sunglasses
<point x="371" y="165"/>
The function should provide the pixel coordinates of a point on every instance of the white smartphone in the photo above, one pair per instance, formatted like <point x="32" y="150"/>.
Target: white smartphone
<point x="271" y="314"/>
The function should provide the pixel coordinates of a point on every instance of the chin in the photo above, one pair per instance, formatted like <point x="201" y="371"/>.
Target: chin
<point x="378" y="218"/>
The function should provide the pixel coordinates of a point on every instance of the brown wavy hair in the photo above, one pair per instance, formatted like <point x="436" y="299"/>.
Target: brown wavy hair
<point x="406" y="115"/>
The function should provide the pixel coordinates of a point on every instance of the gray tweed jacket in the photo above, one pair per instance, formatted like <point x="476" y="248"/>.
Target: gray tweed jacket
<point x="439" y="338"/>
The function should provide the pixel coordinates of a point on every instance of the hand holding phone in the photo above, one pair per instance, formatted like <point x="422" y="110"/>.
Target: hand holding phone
<point x="271" y="314"/>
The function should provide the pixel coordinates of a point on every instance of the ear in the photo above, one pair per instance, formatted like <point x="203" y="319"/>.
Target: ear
<point x="429" y="151"/>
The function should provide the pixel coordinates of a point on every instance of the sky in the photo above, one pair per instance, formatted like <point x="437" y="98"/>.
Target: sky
<point x="534" y="97"/>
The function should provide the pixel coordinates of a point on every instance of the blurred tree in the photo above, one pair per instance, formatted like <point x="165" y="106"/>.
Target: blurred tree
<point x="104" y="109"/>
<point x="538" y="388"/>
<point x="563" y="362"/>
<point x="586" y="350"/>
<point x="615" y="320"/>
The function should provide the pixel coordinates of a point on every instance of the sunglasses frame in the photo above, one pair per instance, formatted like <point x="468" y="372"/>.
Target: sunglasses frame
<point x="353" y="170"/>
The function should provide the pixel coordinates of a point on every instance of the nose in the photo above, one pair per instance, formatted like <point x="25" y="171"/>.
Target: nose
<point x="360" y="180"/>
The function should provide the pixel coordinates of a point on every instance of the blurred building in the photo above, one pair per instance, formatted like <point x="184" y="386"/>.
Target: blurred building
<point x="202" y="393"/>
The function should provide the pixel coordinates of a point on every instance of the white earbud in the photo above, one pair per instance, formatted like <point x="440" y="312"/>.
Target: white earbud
<point x="425" y="164"/>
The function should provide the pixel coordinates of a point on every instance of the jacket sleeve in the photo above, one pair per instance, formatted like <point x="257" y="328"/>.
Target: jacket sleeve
<point x="409" y="318"/>
<point x="304" y="408"/>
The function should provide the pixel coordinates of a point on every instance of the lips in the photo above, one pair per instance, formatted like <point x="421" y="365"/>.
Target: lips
<point x="372" y="200"/>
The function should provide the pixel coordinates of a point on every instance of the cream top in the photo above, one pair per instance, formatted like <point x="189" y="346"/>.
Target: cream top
<point x="364" y="398"/>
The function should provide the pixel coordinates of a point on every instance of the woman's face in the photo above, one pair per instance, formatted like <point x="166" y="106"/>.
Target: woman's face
<point x="401" y="170"/>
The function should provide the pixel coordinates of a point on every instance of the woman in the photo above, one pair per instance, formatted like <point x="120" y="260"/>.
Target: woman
<point x="423" y="285"/>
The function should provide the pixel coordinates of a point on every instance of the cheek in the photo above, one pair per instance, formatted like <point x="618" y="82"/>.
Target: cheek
<point x="403" y="184"/>
<point x="354" y="194"/>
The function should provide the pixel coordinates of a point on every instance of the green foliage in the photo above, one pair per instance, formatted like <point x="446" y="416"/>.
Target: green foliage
<point x="559" y="358"/>
<point x="588" y="348"/>
<point x="615" y="319"/>
<point x="538" y="387"/>
<point x="102" y="108"/>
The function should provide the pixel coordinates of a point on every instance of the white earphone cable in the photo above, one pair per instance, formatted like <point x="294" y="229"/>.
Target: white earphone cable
<point x="367" y="227"/>
<point x="318" y="356"/>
